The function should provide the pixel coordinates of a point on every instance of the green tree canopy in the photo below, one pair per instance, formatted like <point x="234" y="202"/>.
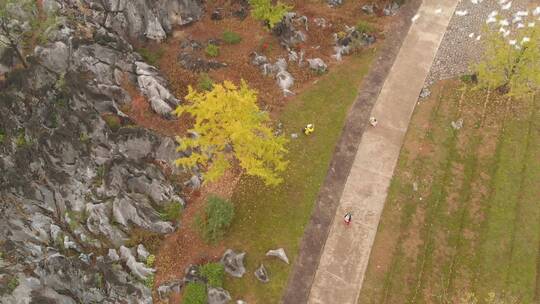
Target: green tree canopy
<point x="230" y="127"/>
<point x="511" y="63"/>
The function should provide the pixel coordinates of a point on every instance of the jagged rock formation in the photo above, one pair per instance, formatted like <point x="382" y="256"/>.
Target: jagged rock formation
<point x="74" y="184"/>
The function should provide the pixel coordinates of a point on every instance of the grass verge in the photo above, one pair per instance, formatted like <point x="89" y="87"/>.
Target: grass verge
<point x="472" y="224"/>
<point x="269" y="218"/>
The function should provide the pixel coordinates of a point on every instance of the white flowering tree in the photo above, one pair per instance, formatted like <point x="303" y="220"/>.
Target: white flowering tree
<point x="511" y="61"/>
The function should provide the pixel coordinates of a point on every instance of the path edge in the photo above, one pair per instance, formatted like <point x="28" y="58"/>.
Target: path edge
<point x="316" y="232"/>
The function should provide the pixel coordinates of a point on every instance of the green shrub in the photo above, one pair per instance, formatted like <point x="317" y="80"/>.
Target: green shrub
<point x="12" y="284"/>
<point x="215" y="219"/>
<point x="231" y="37"/>
<point x="152" y="57"/>
<point x="365" y="27"/>
<point x="214" y="274"/>
<point x="171" y="212"/>
<point x="212" y="50"/>
<point x="271" y="14"/>
<point x="21" y="140"/>
<point x="149" y="281"/>
<point x="468" y="78"/>
<point x="195" y="293"/>
<point x="112" y="121"/>
<point x="205" y="82"/>
<point x="2" y="136"/>
<point x="150" y="260"/>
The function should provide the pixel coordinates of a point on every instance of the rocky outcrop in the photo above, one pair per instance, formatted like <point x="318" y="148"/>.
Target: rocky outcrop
<point x="74" y="186"/>
<point x="143" y="18"/>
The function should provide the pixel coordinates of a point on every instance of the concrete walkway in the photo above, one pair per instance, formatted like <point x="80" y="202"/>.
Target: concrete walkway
<point x="346" y="252"/>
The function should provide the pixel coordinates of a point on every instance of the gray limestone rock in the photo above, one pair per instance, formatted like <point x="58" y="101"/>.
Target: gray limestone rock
<point x="234" y="263"/>
<point x="164" y="290"/>
<point x="279" y="253"/>
<point x="218" y="296"/>
<point x="318" y="65"/>
<point x="262" y="274"/>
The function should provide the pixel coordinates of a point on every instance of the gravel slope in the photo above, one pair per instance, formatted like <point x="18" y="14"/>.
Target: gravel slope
<point x="457" y="49"/>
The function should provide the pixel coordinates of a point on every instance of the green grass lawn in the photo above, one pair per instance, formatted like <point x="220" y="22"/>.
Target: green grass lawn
<point x="269" y="218"/>
<point x="472" y="227"/>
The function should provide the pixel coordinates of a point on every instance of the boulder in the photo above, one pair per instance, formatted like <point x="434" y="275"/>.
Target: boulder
<point x="458" y="124"/>
<point x="192" y="274"/>
<point x="142" y="253"/>
<point x="138" y="269"/>
<point x="218" y="296"/>
<point x="369" y="9"/>
<point x="217" y="14"/>
<point x="318" y="65"/>
<point x="287" y="32"/>
<point x="279" y="253"/>
<point x="391" y="8"/>
<point x="335" y="3"/>
<point x="262" y="274"/>
<point x="234" y="263"/>
<point x="112" y="255"/>
<point x="164" y="290"/>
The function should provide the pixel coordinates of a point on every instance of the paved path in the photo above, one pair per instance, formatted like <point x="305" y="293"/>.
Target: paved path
<point x="346" y="252"/>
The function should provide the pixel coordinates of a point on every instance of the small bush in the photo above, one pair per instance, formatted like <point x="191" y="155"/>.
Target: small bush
<point x="152" y="57"/>
<point x="365" y="27"/>
<point x="149" y="281"/>
<point x="12" y="284"/>
<point x="21" y="140"/>
<point x="215" y="219"/>
<point x="469" y="78"/>
<point x="171" y="212"/>
<point x="231" y="37"/>
<point x="214" y="274"/>
<point x="212" y="50"/>
<point x="2" y="136"/>
<point x="205" y="82"/>
<point x="195" y="293"/>
<point x="112" y="121"/>
<point x="271" y="14"/>
<point x="150" y="260"/>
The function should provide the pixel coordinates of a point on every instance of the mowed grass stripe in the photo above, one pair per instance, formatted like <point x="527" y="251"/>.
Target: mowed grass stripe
<point x="521" y="280"/>
<point x="494" y="256"/>
<point x="447" y="227"/>
<point x="427" y="168"/>
<point x="481" y="137"/>
<point x="444" y="138"/>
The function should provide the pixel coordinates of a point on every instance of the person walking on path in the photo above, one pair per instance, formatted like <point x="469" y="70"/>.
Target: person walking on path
<point x="347" y="218"/>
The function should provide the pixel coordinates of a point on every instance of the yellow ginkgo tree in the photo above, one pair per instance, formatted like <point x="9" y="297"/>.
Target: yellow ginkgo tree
<point x="230" y="129"/>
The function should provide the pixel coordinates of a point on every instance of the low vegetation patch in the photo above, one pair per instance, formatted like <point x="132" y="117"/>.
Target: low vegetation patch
<point x="195" y="293"/>
<point x="212" y="50"/>
<point x="231" y="37"/>
<point x="171" y="212"/>
<point x="214" y="274"/>
<point x="213" y="222"/>
<point x="365" y="27"/>
<point x="205" y="82"/>
<point x="152" y="57"/>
